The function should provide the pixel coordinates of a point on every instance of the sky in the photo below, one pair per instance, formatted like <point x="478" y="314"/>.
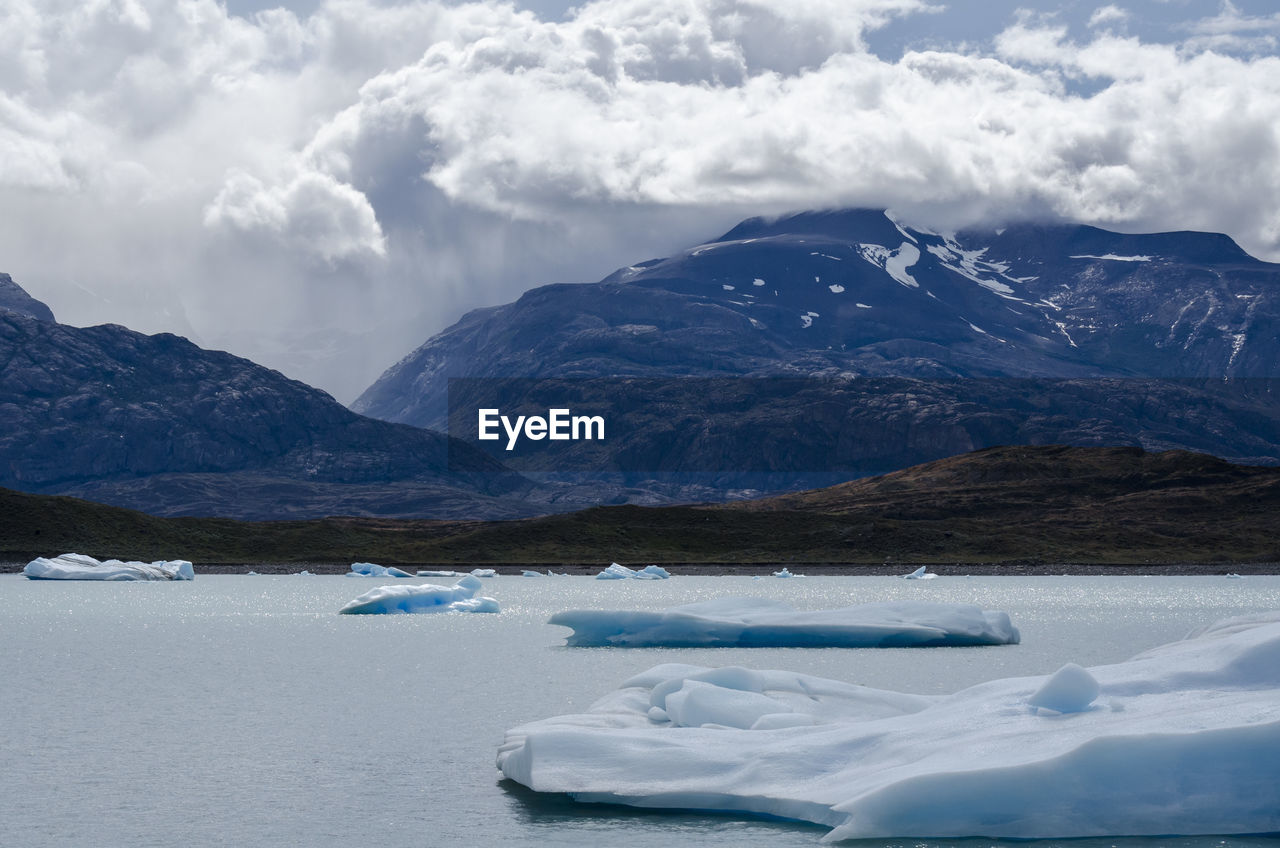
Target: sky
<point x="321" y="186"/>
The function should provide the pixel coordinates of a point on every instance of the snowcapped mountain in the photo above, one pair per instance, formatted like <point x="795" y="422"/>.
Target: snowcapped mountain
<point x="856" y="293"/>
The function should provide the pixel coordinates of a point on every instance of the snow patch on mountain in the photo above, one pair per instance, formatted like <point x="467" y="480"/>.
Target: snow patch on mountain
<point x="1113" y="257"/>
<point x="894" y="262"/>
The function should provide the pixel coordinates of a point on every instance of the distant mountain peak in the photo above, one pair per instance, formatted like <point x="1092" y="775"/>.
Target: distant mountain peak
<point x="14" y="298"/>
<point x="832" y="223"/>
<point x="862" y="293"/>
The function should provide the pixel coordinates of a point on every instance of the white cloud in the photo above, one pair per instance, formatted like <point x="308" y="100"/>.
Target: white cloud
<point x="381" y="168"/>
<point x="1109" y="14"/>
<point x="313" y="212"/>
<point x="1231" y="31"/>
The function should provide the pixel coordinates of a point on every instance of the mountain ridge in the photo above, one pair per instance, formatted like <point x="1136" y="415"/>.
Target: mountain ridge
<point x="1103" y="338"/>
<point x="1019" y="505"/>
<point x="984" y="310"/>
<point x="158" y="423"/>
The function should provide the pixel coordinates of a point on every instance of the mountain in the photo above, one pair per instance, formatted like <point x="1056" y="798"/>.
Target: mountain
<point x="14" y="298"/>
<point x="1049" y="504"/>
<point x="159" y="424"/>
<point x="935" y="343"/>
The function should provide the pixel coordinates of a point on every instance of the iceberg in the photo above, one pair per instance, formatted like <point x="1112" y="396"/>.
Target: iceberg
<point x="484" y="572"/>
<point x="785" y="573"/>
<point x="621" y="572"/>
<point x="763" y="623"/>
<point x="461" y="597"/>
<point x="1185" y="740"/>
<point x="370" y="569"/>
<point x="921" y="573"/>
<point x="1071" y="689"/>
<point x="81" y="567"/>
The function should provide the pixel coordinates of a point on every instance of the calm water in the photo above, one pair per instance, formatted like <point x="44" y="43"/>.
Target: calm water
<point x="243" y="711"/>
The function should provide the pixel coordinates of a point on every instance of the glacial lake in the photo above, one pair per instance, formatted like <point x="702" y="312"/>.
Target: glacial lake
<point x="238" y="710"/>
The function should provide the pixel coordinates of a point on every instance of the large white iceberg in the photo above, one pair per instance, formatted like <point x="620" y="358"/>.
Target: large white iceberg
<point x="81" y="567"/>
<point x="1181" y="740"/>
<point x="621" y="572"/>
<point x="372" y="569"/>
<point x="763" y="623"/>
<point x="428" y="597"/>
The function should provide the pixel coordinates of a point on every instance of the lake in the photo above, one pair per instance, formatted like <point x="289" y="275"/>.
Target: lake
<point x="239" y="710"/>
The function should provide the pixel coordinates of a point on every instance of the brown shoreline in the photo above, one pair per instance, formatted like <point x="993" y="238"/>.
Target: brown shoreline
<point x="816" y="569"/>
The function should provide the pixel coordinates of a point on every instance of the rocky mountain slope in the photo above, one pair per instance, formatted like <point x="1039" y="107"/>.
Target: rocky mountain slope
<point x="14" y="298"/>
<point x="159" y="424"/>
<point x="922" y="344"/>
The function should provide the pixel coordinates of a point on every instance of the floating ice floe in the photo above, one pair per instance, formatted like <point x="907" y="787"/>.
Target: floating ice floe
<point x="478" y="572"/>
<point x="764" y="623"/>
<point x="371" y="569"/>
<point x="785" y="573"/>
<point x="921" y="573"/>
<point x="1183" y="740"/>
<point x="548" y="573"/>
<point x="621" y="572"/>
<point x="460" y="597"/>
<point x="81" y="567"/>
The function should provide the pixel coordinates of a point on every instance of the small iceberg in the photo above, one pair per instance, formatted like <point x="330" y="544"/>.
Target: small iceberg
<point x="1071" y="689"/>
<point x="370" y="569"/>
<point x="1190" y="745"/>
<point x="483" y="572"/>
<point x="921" y="573"/>
<point x="763" y="623"/>
<point x="785" y="573"/>
<point x="81" y="567"/>
<point x="621" y="572"/>
<point x="460" y="597"/>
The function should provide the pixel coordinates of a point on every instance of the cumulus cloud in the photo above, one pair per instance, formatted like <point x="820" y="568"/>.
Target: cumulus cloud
<point x="314" y="212"/>
<point x="669" y="107"/>
<point x="321" y="192"/>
